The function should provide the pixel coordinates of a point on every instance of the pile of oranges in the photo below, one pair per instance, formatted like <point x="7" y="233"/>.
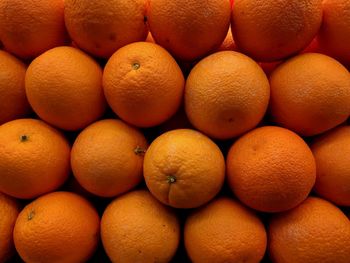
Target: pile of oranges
<point x="144" y="131"/>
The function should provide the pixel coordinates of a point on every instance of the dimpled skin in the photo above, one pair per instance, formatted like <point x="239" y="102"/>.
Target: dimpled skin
<point x="34" y="158"/>
<point x="270" y="30"/>
<point x="189" y="28"/>
<point x="224" y="231"/>
<point x="143" y="84"/>
<point x="184" y="168"/>
<point x="30" y="27"/>
<point x="226" y="94"/>
<point x="9" y="210"/>
<point x="13" y="100"/>
<point x="64" y="87"/>
<point x="310" y="94"/>
<point x="107" y="157"/>
<point x="271" y="169"/>
<point x="314" y="232"/>
<point x="135" y="227"/>
<point x="102" y="27"/>
<point x="334" y="35"/>
<point x="57" y="227"/>
<point x="332" y="155"/>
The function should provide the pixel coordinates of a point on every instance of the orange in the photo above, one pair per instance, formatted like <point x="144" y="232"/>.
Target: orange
<point x="143" y="84"/>
<point x="107" y="157"/>
<point x="189" y="29"/>
<point x="34" y="158"/>
<point x="226" y="94"/>
<point x="224" y="231"/>
<point x="13" y="100"/>
<point x="334" y="34"/>
<point x="57" y="227"/>
<point x="102" y="27"/>
<point x="310" y="94"/>
<point x="271" y="169"/>
<point x="64" y="87"/>
<point x="184" y="168"/>
<point x="9" y="210"/>
<point x="29" y="28"/>
<point x="135" y="227"/>
<point x="332" y="155"/>
<point x="316" y="231"/>
<point x="270" y="30"/>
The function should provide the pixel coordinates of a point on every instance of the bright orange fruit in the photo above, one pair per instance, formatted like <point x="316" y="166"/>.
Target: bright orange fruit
<point x="184" y="168"/>
<point x="271" y="169"/>
<point x="270" y="30"/>
<point x="189" y="29"/>
<point x="315" y="231"/>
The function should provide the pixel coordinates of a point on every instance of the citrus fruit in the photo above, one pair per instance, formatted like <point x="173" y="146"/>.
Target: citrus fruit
<point x="34" y="158"/>
<point x="334" y="35"/>
<point x="13" y="100"/>
<point x="143" y="84"/>
<point x="226" y="94"/>
<point x="29" y="28"/>
<point x="224" y="231"/>
<point x="270" y="30"/>
<point x="189" y="28"/>
<point x="64" y="87"/>
<point x="57" y="227"/>
<point x="135" y="227"/>
<point x="184" y="168"/>
<point x="315" y="231"/>
<point x="332" y="151"/>
<point x="102" y="27"/>
<point x="271" y="169"/>
<point x="107" y="157"/>
<point x="310" y="94"/>
<point x="9" y="210"/>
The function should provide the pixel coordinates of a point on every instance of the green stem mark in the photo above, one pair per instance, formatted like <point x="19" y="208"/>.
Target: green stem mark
<point x="139" y="151"/>
<point x="171" y="179"/>
<point x="31" y="215"/>
<point x="24" y="138"/>
<point x="136" y="65"/>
